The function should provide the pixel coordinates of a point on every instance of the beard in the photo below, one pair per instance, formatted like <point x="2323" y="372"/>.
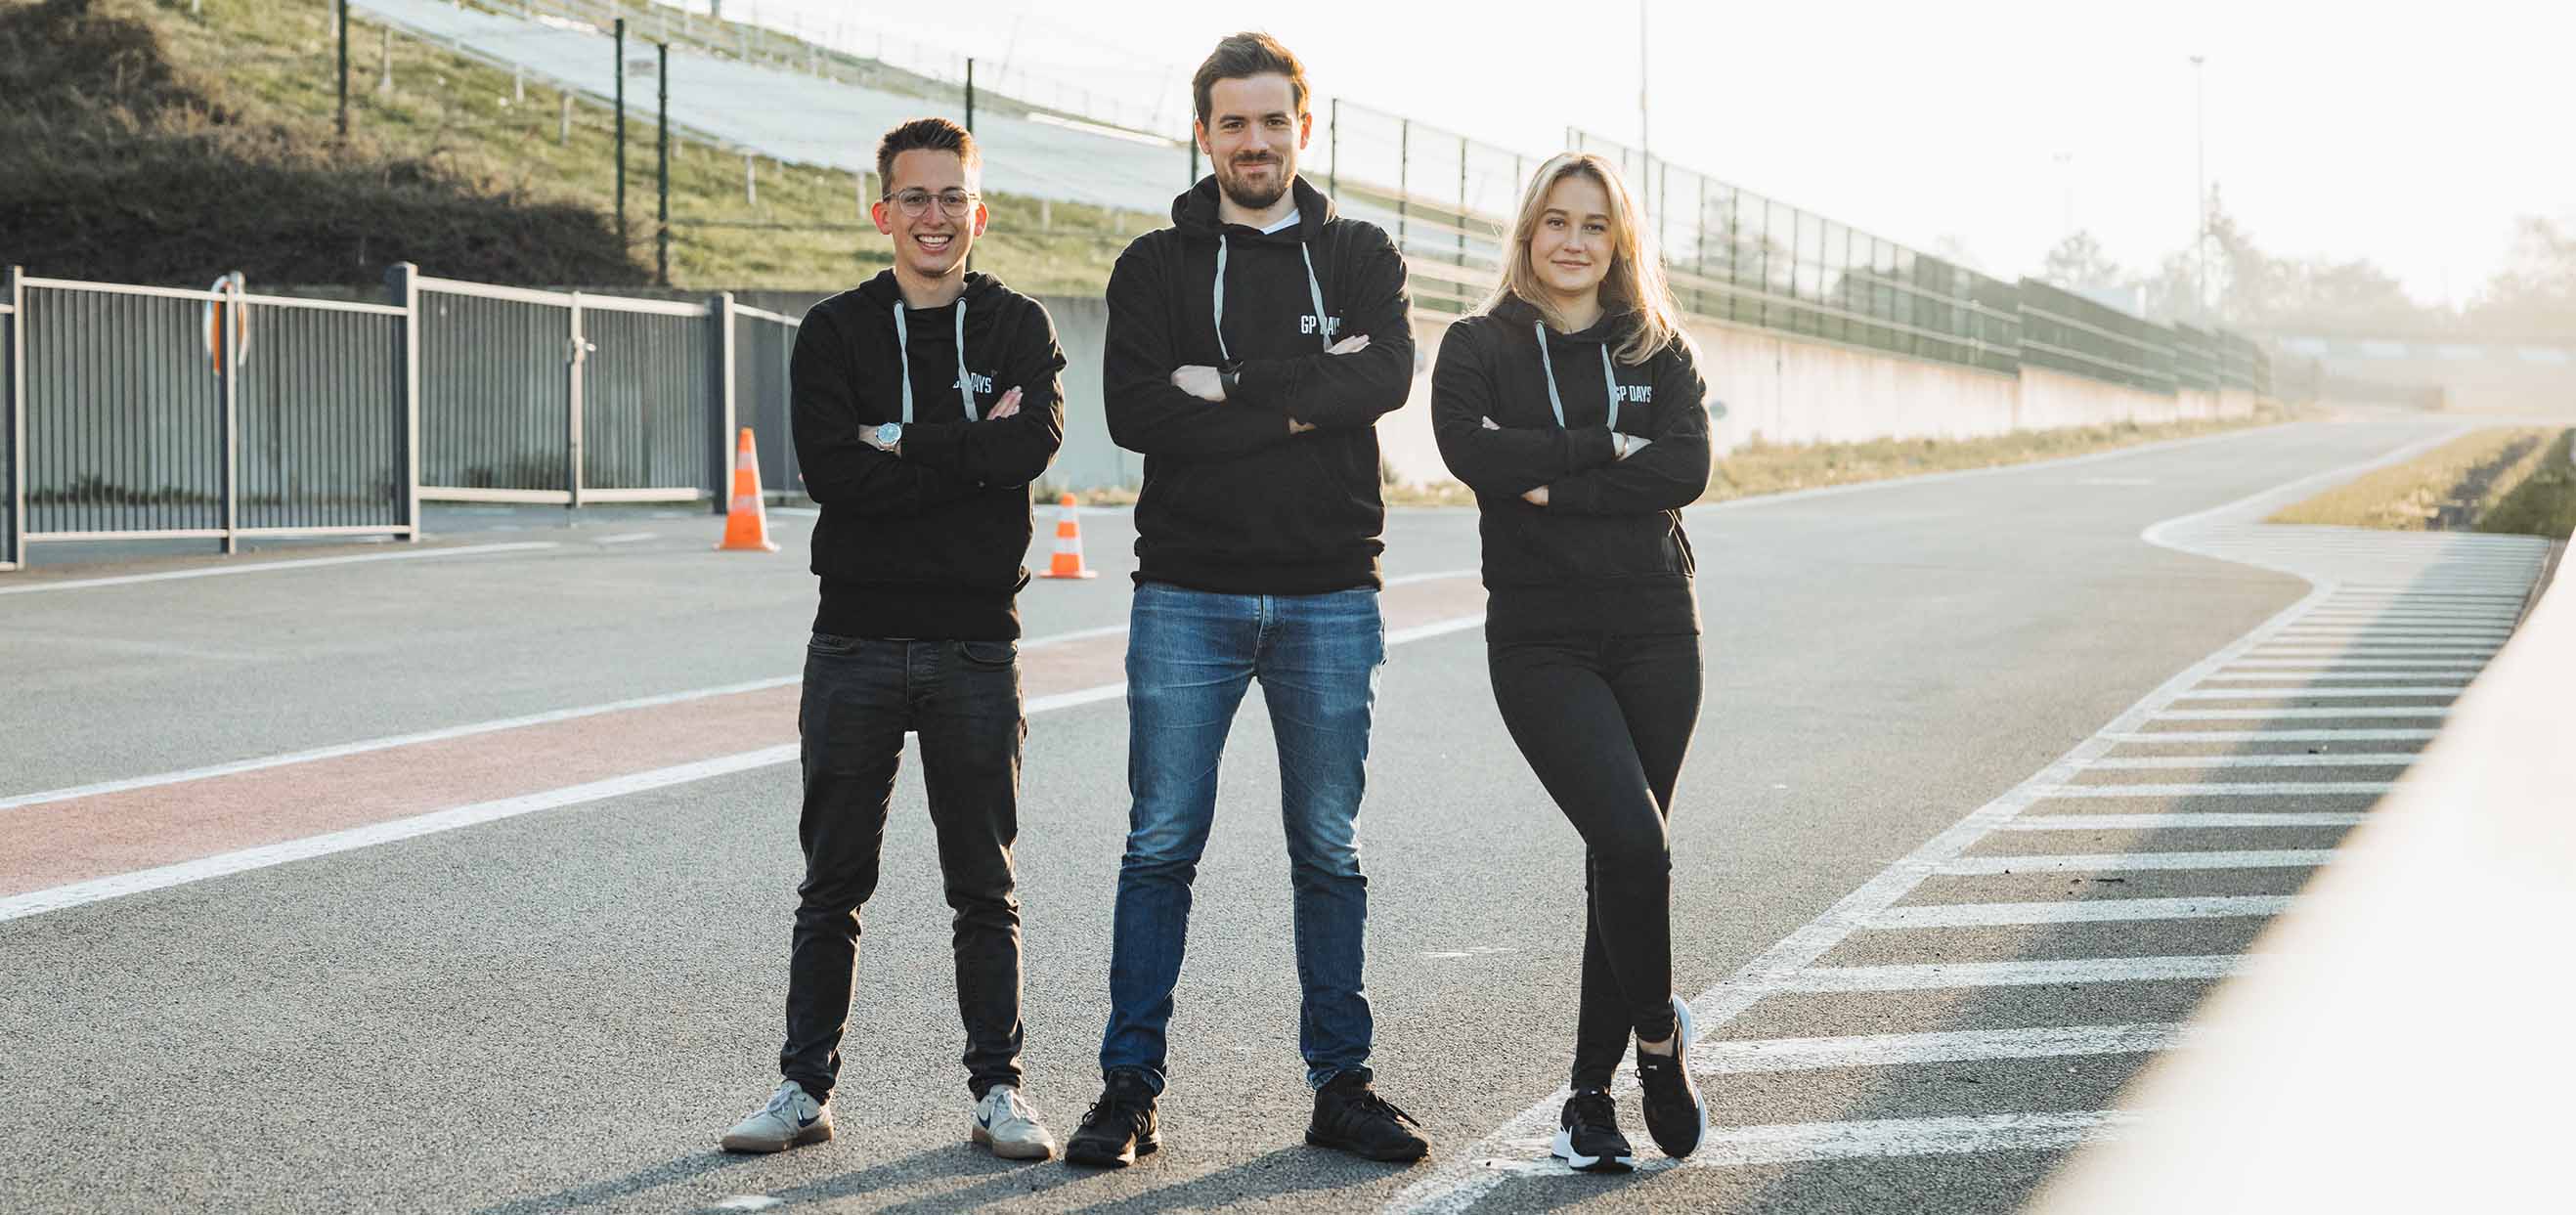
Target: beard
<point x="1253" y="197"/>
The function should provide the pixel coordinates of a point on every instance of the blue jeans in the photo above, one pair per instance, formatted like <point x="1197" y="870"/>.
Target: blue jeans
<point x="1190" y="655"/>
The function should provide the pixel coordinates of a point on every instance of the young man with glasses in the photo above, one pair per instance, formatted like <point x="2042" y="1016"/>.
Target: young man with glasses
<point x="1252" y="347"/>
<point x="925" y="403"/>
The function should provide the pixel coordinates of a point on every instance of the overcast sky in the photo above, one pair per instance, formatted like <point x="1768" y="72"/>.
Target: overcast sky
<point x="2409" y="135"/>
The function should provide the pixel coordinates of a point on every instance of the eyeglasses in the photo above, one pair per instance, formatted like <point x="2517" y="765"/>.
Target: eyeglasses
<point x="916" y="203"/>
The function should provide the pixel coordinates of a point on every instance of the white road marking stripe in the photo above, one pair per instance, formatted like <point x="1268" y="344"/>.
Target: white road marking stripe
<point x="2314" y="664"/>
<point x="2410" y="633"/>
<point x="2119" y="862"/>
<point x="1736" y="1057"/>
<point x="2308" y="788"/>
<point x="2326" y="675"/>
<point x="74" y="894"/>
<point x="1736" y="1146"/>
<point x="2305" y="693"/>
<point x="2357" y="759"/>
<point x="2078" y="911"/>
<point x="1937" y="976"/>
<point x="220" y="571"/>
<point x="2185" y="820"/>
<point x="2271" y="714"/>
<point x="627" y="538"/>
<point x="2199" y="736"/>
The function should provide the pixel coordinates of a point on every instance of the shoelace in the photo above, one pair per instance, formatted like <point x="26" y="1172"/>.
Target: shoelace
<point x="1368" y="1102"/>
<point x="1115" y="1108"/>
<point x="780" y="1100"/>
<point x="1592" y="1111"/>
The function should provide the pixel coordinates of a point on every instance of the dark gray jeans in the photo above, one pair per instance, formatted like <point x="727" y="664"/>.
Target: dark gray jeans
<point x="861" y="695"/>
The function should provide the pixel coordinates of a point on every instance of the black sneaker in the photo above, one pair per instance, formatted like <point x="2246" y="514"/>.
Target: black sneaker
<point x="1351" y="1116"/>
<point x="1588" y="1135"/>
<point x="1118" y="1128"/>
<point x="1675" y="1115"/>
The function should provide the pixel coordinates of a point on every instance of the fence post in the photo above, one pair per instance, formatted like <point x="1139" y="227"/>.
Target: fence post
<point x="578" y="352"/>
<point x="402" y="283"/>
<point x="227" y="363"/>
<point x="721" y="475"/>
<point x="13" y="417"/>
<point x="1332" y="147"/>
<point x="1403" y="179"/>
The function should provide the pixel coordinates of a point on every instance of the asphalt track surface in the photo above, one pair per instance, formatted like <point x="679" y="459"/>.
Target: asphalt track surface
<point x="560" y="1008"/>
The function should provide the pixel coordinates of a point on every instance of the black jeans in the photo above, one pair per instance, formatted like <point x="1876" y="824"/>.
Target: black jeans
<point x="1604" y="721"/>
<point x="861" y="695"/>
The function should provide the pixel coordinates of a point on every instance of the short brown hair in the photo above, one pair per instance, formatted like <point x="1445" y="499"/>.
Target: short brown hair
<point x="924" y="134"/>
<point x="1245" y="55"/>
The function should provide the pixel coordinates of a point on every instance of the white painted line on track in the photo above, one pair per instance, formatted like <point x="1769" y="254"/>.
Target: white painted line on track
<point x="74" y="894"/>
<point x="2308" y="693"/>
<point x="1739" y="1056"/>
<point x="2357" y="759"/>
<point x="2082" y="911"/>
<point x="2314" y="676"/>
<point x="2350" y="664"/>
<point x="220" y="571"/>
<point x="2307" y="788"/>
<point x="2273" y="714"/>
<point x="628" y="538"/>
<point x="2188" y="820"/>
<point x="77" y="893"/>
<point x="2200" y="736"/>
<point x="1736" y="1146"/>
<point x="1940" y="976"/>
<point x="2117" y="862"/>
<point x="396" y="740"/>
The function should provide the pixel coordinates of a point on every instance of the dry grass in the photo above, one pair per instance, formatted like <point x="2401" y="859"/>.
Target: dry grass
<point x="2455" y="486"/>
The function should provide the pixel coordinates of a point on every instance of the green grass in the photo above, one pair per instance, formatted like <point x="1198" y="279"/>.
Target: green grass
<point x="157" y="146"/>
<point x="2500" y="479"/>
<point x="2542" y="502"/>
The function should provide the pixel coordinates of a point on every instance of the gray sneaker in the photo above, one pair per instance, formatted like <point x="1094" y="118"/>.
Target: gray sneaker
<point x="792" y="1118"/>
<point x="1005" y="1123"/>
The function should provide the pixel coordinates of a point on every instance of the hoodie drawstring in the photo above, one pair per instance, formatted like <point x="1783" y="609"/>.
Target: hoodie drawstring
<point x="1608" y="377"/>
<point x="903" y="357"/>
<point x="1314" y="291"/>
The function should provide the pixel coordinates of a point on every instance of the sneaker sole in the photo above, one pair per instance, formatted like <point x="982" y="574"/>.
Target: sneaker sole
<point x="1682" y="1036"/>
<point x="1564" y="1150"/>
<point x="816" y="1133"/>
<point x="1396" y="1156"/>
<point x="1121" y="1160"/>
<point x="1014" y="1151"/>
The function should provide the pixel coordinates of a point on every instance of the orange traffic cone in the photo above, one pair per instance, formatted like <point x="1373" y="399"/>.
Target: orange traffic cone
<point x="746" y="520"/>
<point x="1068" y="545"/>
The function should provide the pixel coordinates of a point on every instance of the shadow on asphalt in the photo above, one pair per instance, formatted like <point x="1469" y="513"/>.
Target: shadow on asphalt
<point x="685" y="1168"/>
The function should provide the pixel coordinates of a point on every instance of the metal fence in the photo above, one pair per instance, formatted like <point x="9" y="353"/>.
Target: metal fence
<point x="1445" y="199"/>
<point x="131" y="412"/>
<point x="214" y="414"/>
<point x="566" y="397"/>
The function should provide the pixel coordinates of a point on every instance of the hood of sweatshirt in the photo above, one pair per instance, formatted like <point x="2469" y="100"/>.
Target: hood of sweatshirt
<point x="1194" y="212"/>
<point x="885" y="292"/>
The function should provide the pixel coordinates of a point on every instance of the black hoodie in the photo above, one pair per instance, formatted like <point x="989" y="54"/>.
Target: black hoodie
<point x="928" y="543"/>
<point x="1232" y="502"/>
<point x="1607" y="553"/>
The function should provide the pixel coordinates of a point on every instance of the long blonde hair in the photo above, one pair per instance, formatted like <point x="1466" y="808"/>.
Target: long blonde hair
<point x="1636" y="281"/>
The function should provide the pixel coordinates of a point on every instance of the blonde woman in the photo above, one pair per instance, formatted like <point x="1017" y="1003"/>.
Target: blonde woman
<point x="1572" y="404"/>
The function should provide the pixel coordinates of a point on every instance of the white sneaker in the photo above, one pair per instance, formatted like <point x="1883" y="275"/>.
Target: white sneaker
<point x="1005" y="1123"/>
<point x="790" y="1119"/>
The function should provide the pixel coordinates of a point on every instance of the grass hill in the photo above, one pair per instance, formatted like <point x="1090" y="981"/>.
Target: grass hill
<point x="166" y="141"/>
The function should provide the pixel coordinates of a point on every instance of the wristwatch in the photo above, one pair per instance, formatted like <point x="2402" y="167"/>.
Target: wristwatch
<point x="889" y="435"/>
<point x="1229" y="376"/>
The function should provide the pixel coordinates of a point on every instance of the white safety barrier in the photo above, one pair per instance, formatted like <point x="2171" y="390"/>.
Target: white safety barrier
<point x="2402" y="1041"/>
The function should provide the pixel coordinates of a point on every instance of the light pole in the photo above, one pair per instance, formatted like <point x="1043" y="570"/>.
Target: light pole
<point x="2199" y="191"/>
<point x="2066" y="169"/>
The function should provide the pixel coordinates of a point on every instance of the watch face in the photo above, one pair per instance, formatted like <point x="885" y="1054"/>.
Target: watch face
<point x="888" y="433"/>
